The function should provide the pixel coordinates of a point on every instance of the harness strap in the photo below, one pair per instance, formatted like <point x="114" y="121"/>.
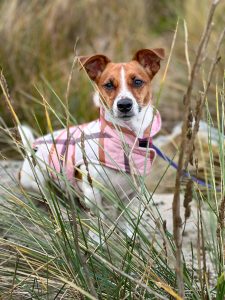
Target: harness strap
<point x="184" y="173"/>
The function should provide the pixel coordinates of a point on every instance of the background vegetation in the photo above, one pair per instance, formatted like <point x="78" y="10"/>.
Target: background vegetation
<point x="46" y="253"/>
<point x="37" y="40"/>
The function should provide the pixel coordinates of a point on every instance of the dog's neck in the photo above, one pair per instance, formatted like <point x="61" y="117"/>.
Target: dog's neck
<point x="137" y="124"/>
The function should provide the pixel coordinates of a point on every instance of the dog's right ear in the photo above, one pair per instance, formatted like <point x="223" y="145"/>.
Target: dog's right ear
<point x="94" y="65"/>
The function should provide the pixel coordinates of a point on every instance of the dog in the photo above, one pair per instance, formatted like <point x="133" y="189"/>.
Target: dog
<point x="107" y="152"/>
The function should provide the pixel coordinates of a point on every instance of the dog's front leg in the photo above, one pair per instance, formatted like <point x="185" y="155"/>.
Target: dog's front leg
<point x="91" y="194"/>
<point x="92" y="197"/>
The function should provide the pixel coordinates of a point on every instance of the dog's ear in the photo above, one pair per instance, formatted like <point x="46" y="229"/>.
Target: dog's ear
<point x="94" y="65"/>
<point x="150" y="59"/>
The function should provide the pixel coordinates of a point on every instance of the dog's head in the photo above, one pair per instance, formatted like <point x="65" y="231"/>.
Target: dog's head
<point x="124" y="87"/>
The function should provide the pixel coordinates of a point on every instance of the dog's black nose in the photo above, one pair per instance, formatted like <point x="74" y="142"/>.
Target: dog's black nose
<point x="124" y="105"/>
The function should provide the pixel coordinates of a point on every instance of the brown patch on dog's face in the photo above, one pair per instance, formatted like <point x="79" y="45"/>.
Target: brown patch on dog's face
<point x="109" y="83"/>
<point x="138" y="82"/>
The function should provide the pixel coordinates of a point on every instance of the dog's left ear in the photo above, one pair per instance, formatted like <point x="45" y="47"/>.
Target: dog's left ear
<point x="94" y="65"/>
<point x="150" y="59"/>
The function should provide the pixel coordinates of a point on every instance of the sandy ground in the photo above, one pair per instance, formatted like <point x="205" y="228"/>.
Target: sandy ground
<point x="162" y="202"/>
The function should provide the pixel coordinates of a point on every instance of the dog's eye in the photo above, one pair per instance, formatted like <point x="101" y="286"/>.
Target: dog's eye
<point x="109" y="85"/>
<point x="137" y="82"/>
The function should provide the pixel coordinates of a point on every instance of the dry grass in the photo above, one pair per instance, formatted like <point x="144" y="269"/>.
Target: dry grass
<point x="37" y="41"/>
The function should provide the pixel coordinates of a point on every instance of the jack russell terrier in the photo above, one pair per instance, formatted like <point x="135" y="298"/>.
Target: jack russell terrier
<point x="102" y="152"/>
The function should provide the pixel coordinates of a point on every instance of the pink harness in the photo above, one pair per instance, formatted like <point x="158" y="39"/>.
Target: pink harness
<point x="100" y="142"/>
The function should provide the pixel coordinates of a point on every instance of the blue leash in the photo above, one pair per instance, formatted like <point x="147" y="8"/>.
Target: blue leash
<point x="175" y="166"/>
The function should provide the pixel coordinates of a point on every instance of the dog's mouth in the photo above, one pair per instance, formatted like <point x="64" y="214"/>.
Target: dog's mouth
<point x="126" y="116"/>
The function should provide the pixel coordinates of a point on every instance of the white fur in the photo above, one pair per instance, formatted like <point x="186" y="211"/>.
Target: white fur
<point x="96" y="99"/>
<point x="27" y="136"/>
<point x="32" y="177"/>
<point x="96" y="201"/>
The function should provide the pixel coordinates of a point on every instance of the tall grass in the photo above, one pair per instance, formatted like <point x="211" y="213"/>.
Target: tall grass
<point x="45" y="249"/>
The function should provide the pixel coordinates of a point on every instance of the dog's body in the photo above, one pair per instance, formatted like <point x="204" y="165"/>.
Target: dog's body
<point x="126" y="93"/>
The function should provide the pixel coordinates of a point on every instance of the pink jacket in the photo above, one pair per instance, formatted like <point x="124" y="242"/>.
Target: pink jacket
<point x="101" y="142"/>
